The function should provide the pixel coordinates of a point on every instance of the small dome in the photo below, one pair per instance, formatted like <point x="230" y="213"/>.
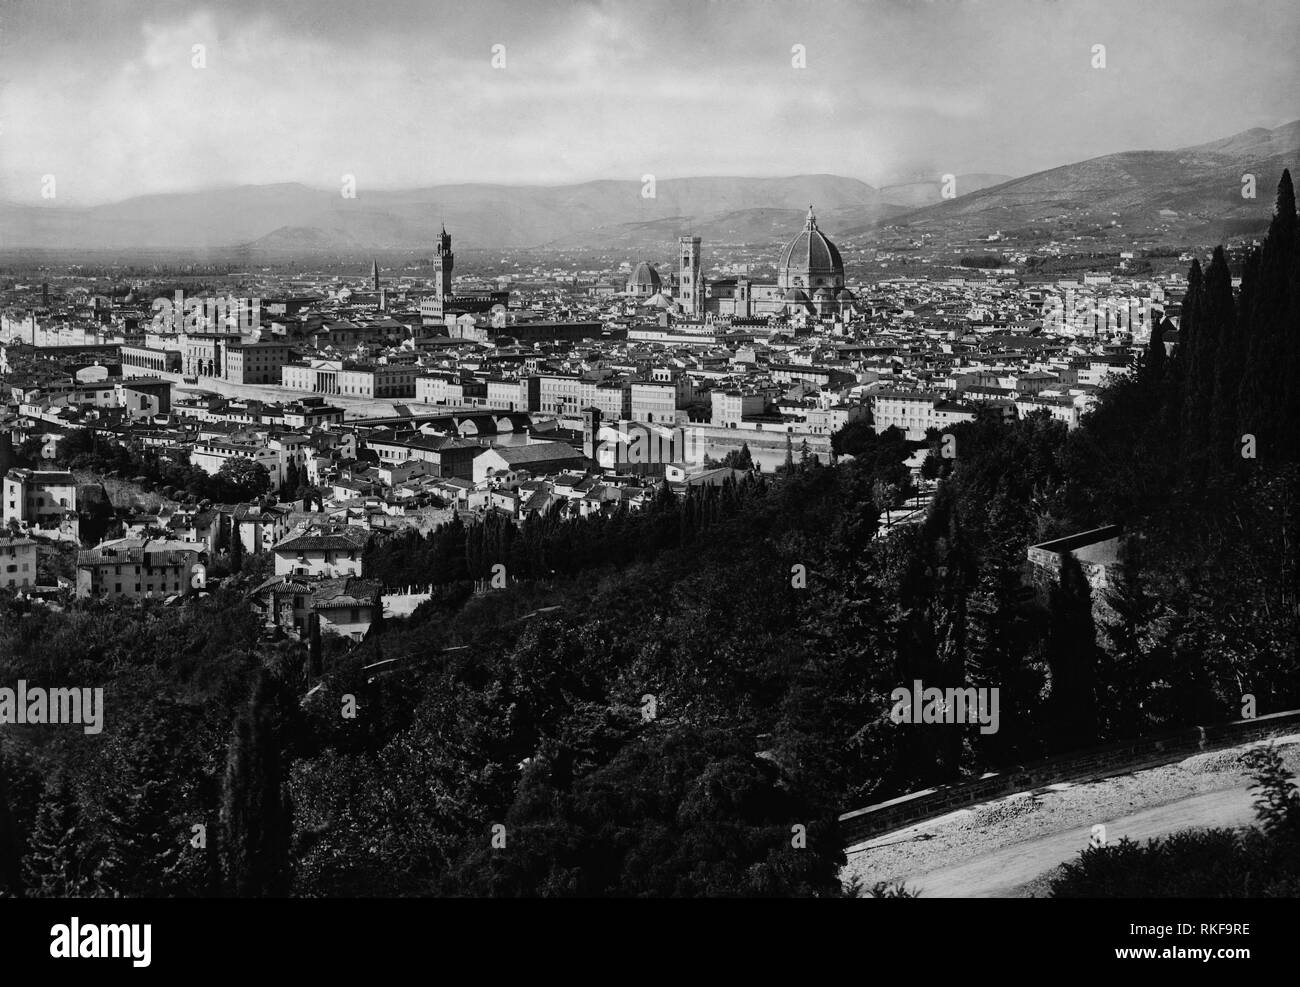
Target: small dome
<point x="659" y="300"/>
<point x="824" y="295"/>
<point x="795" y="295"/>
<point x="645" y="276"/>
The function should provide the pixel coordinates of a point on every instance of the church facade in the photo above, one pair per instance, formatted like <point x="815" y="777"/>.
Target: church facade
<point x="809" y="284"/>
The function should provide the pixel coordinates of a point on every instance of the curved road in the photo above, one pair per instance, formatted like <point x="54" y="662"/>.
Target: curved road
<point x="1008" y="846"/>
<point x="1000" y="873"/>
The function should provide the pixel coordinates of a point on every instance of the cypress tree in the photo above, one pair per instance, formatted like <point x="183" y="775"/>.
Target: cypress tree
<point x="1178" y="362"/>
<point x="1199" y="357"/>
<point x="1217" y="359"/>
<point x="1072" y="655"/>
<point x="1266" y="381"/>
<point x="314" y="663"/>
<point x="236" y="550"/>
<point x="255" y="812"/>
<point x="1153" y="366"/>
<point x="1234" y="348"/>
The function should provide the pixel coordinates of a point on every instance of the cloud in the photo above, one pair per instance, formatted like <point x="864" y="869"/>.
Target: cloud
<point x="405" y="94"/>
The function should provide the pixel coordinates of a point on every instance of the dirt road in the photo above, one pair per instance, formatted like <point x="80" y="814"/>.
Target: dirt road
<point x="1005" y="848"/>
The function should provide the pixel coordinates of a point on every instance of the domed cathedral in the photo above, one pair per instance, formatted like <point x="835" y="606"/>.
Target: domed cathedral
<point x="809" y="282"/>
<point x="810" y="273"/>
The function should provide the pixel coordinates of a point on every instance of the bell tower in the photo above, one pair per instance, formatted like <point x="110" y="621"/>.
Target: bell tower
<point x="692" y="288"/>
<point x="443" y="262"/>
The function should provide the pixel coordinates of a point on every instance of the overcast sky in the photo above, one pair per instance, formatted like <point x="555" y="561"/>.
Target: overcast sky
<point x="403" y="94"/>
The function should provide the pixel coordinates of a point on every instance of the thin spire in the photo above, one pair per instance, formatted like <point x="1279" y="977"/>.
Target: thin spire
<point x="812" y="220"/>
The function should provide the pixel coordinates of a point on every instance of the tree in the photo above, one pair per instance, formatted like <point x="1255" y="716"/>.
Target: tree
<point x="143" y="834"/>
<point x="739" y="459"/>
<point x="1277" y="803"/>
<point x="806" y="458"/>
<point x="53" y="865"/>
<point x="1153" y="365"/>
<point x="255" y="811"/>
<point x="1072" y="655"/>
<point x="252" y="478"/>
<point x="236" y="548"/>
<point x="1267" y="394"/>
<point x="10" y="874"/>
<point x="313" y="645"/>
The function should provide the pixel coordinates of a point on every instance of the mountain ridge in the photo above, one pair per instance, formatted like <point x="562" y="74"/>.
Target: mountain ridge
<point x="1189" y="190"/>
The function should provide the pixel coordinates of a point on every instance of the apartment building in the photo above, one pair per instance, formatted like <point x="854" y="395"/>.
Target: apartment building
<point x="40" y="498"/>
<point x="321" y="553"/>
<point x="729" y="407"/>
<point x="909" y="411"/>
<point x="248" y="362"/>
<point x="141" y="568"/>
<point x="17" y="561"/>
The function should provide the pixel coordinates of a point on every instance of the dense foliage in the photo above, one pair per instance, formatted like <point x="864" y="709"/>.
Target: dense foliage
<point x="680" y="700"/>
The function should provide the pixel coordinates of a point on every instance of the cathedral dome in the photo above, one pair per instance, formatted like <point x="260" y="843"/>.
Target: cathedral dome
<point x="645" y="280"/>
<point x="810" y="260"/>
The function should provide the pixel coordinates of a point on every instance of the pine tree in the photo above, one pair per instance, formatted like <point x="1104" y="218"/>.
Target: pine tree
<point x="53" y="866"/>
<point x="789" y="455"/>
<point x="142" y="840"/>
<point x="255" y="810"/>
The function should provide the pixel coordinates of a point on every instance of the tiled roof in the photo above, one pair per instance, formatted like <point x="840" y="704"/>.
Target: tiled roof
<point x="344" y="539"/>
<point x="538" y="452"/>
